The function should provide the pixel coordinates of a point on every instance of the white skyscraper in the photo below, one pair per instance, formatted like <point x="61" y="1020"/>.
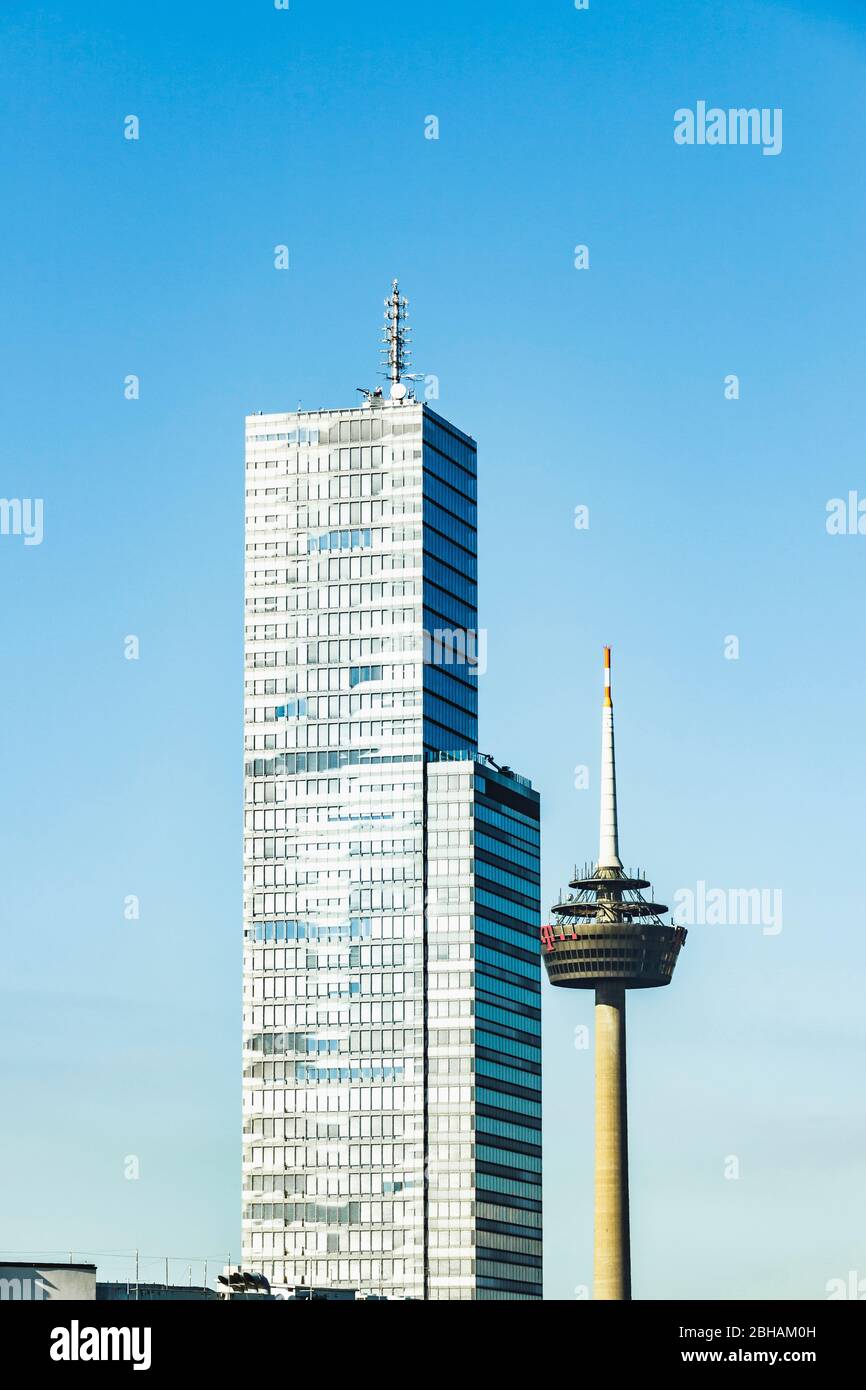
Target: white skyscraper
<point x="363" y="1161"/>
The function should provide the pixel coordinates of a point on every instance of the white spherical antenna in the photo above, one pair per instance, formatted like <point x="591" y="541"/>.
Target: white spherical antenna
<point x="398" y="391"/>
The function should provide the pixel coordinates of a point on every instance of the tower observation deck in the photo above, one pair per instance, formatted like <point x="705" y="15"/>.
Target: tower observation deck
<point x="608" y="936"/>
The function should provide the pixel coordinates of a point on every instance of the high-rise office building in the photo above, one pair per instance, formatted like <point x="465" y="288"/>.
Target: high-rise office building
<point x="391" y="895"/>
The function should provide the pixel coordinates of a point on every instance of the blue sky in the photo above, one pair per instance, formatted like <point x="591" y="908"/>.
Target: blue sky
<point x="602" y="387"/>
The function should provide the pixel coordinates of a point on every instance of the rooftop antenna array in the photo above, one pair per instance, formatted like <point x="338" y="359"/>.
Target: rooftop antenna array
<point x="396" y="347"/>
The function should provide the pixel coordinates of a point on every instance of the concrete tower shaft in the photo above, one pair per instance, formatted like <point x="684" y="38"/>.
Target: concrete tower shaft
<point x="612" y="1246"/>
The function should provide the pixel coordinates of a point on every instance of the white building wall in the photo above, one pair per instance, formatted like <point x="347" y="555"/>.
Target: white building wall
<point x="333" y="860"/>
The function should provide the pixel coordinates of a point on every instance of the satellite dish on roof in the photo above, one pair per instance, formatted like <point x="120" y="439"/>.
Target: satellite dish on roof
<point x="398" y="391"/>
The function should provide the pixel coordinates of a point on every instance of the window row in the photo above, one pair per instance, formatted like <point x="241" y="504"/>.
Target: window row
<point x="352" y="1099"/>
<point x="335" y="706"/>
<point x="319" y="487"/>
<point x="384" y="1126"/>
<point x="323" y="735"/>
<point x="355" y="929"/>
<point x="310" y="573"/>
<point x="334" y="596"/>
<point x="322" y="984"/>
<point x="278" y="847"/>
<point x="287" y="764"/>
<point x="311" y="1181"/>
<point x="330" y="678"/>
<point x="331" y="624"/>
<point x="334" y="651"/>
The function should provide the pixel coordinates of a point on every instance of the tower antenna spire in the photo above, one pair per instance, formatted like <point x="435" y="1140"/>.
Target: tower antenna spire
<point x="395" y="336"/>
<point x="608" y="839"/>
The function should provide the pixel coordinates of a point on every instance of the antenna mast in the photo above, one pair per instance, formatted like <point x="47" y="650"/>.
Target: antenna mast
<point x="395" y="336"/>
<point x="608" y="852"/>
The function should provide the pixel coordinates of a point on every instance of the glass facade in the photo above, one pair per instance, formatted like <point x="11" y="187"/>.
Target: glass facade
<point x="361" y="662"/>
<point x="483" y="1033"/>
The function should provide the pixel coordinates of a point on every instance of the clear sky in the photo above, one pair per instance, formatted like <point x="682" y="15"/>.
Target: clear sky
<point x="602" y="387"/>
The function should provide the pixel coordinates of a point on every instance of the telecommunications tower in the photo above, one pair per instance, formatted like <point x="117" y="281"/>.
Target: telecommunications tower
<point x="608" y="937"/>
